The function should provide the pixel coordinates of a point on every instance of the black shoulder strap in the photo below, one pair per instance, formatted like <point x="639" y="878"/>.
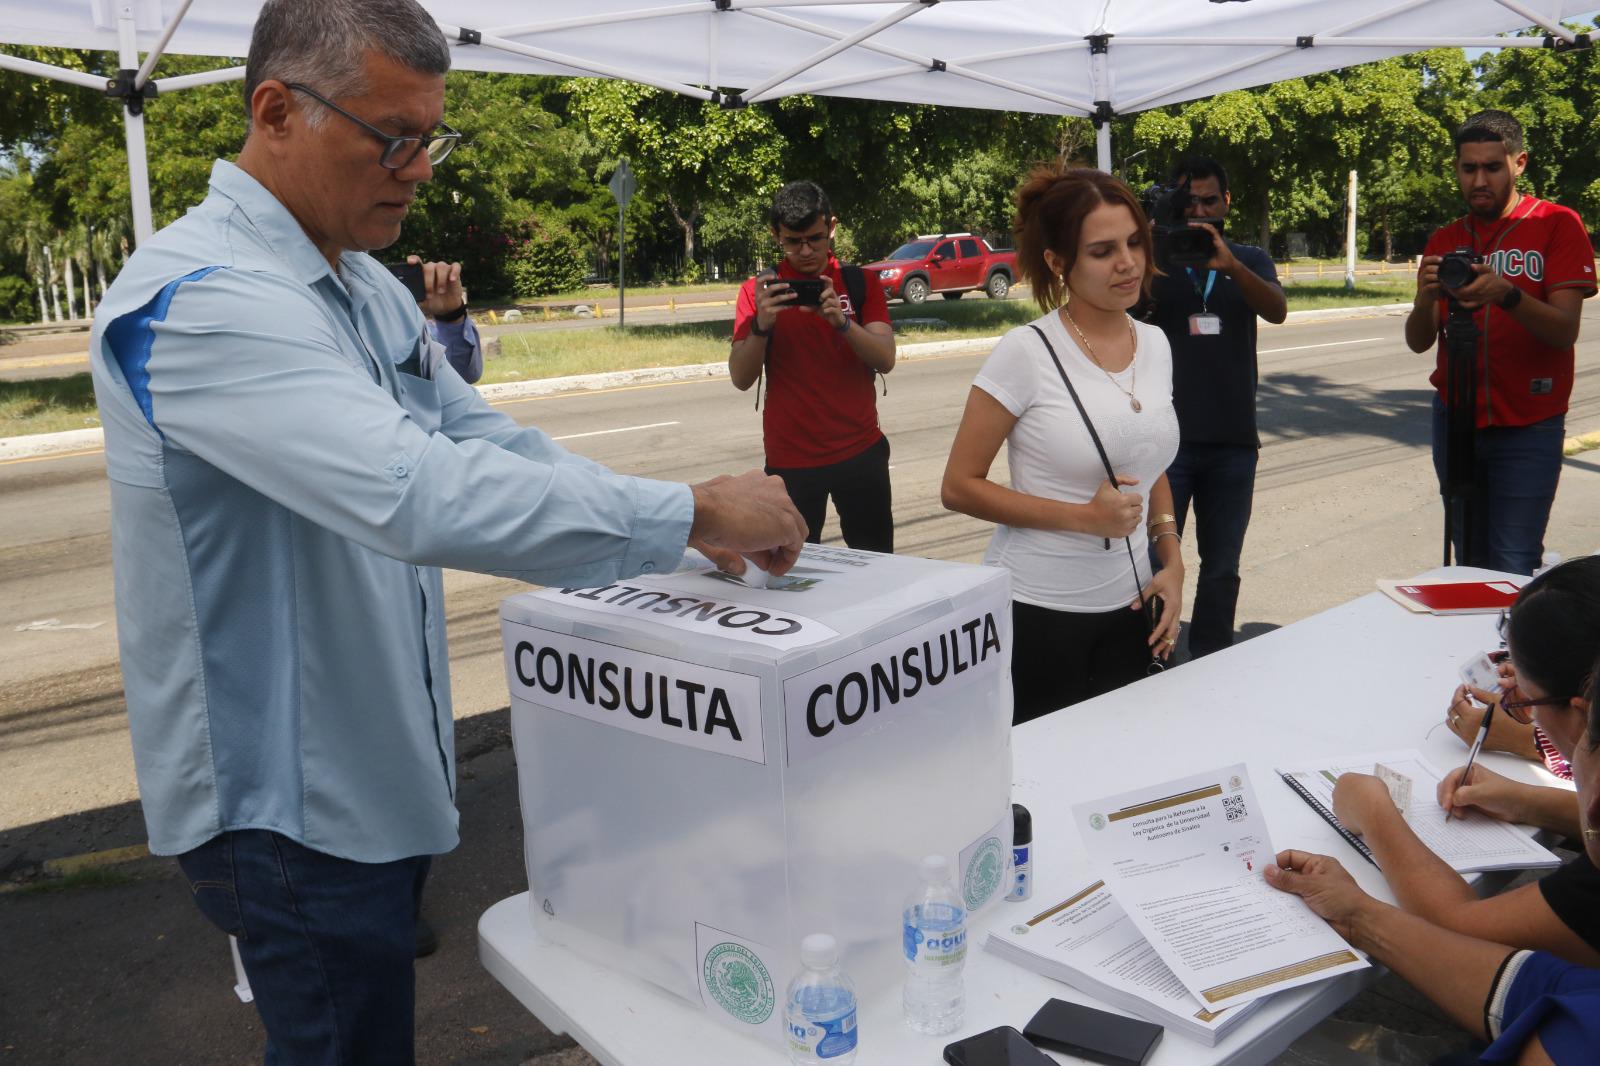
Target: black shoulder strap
<point x="855" y="283"/>
<point x="1111" y="475"/>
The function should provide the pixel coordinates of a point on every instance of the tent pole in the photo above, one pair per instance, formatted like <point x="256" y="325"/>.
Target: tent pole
<point x="1102" y="146"/>
<point x="44" y="70"/>
<point x="754" y="94"/>
<point x="133" y="131"/>
<point x="154" y="55"/>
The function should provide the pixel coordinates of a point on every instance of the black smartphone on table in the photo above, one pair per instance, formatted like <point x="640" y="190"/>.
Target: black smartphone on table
<point x="1096" y="1035"/>
<point x="410" y="275"/>
<point x="807" y="291"/>
<point x="998" y="1047"/>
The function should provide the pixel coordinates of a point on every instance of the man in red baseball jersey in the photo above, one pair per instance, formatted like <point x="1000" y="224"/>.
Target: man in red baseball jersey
<point x="1526" y="300"/>
<point x="822" y="347"/>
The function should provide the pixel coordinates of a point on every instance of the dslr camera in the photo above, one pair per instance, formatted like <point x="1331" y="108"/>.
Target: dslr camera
<point x="1178" y="244"/>
<point x="1455" y="269"/>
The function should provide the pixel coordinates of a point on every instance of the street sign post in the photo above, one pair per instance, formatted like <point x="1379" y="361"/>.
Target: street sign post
<point x="622" y="187"/>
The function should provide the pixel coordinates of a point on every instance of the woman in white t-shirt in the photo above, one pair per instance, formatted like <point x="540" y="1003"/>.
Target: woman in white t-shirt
<point x="1077" y="546"/>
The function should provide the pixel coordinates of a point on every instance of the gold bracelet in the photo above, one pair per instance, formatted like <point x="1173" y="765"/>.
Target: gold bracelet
<point x="1161" y="520"/>
<point x="1165" y="533"/>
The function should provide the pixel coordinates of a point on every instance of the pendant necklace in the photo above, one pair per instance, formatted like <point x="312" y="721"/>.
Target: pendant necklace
<point x="1133" y="401"/>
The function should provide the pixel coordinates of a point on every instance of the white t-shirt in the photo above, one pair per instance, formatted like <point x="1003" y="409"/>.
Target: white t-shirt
<point x="1053" y="456"/>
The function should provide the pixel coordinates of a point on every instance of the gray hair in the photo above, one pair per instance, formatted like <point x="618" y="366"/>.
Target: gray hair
<point x="324" y="43"/>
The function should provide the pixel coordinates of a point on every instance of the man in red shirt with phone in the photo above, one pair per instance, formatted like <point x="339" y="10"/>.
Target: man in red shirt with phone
<point x="1526" y="300"/>
<point x="822" y="354"/>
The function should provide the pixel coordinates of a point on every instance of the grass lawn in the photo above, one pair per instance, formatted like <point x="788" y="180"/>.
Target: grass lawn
<point x="48" y="405"/>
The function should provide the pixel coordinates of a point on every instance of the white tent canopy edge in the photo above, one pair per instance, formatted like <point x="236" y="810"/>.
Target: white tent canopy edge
<point x="1124" y="54"/>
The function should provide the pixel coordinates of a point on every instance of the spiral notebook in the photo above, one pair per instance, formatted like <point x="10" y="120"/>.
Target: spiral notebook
<point x="1468" y="843"/>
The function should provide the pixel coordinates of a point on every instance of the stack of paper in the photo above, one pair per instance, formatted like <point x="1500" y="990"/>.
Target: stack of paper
<point x="1469" y="842"/>
<point x="1088" y="942"/>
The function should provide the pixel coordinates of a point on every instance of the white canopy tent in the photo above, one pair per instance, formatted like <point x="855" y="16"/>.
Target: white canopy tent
<point x="1097" y="58"/>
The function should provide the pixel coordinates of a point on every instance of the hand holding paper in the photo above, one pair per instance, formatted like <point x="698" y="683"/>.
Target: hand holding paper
<point x="1325" y="886"/>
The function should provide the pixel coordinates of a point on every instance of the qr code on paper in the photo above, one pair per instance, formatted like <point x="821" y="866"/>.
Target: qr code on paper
<point x="1233" y="807"/>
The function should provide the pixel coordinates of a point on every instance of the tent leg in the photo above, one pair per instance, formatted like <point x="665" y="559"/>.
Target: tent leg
<point x="1102" y="146"/>
<point x="133" y="130"/>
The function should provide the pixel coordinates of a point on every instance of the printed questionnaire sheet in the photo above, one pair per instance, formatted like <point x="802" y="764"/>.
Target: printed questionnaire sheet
<point x="1185" y="860"/>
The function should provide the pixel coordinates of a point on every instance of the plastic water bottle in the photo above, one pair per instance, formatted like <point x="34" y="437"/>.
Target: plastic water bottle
<point x="819" y="1012"/>
<point x="935" y="928"/>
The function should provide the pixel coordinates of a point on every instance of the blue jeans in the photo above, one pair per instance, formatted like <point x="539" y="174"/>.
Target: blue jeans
<point x="1220" y="480"/>
<point x="1515" y="472"/>
<point x="327" y="943"/>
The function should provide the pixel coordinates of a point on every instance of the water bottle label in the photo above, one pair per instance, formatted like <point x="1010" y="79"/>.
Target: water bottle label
<point x="822" y="1039"/>
<point x="938" y="939"/>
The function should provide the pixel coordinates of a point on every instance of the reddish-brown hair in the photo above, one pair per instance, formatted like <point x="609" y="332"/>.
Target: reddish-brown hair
<point x="1051" y="206"/>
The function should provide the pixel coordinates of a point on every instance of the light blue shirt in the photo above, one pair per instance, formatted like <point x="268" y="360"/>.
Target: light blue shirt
<point x="461" y="346"/>
<point x="291" y="458"/>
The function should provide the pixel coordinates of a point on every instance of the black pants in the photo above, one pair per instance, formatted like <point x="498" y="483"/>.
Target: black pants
<point x="859" y="486"/>
<point x="1059" y="658"/>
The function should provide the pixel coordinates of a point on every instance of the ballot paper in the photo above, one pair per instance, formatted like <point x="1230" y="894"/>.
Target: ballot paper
<point x="1087" y="941"/>
<point x="1184" y="858"/>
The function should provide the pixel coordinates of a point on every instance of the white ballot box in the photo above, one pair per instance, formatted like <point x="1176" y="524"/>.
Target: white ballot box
<point x="710" y="771"/>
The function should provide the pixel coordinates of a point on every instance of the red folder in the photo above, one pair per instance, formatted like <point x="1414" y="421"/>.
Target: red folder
<point x="1452" y="597"/>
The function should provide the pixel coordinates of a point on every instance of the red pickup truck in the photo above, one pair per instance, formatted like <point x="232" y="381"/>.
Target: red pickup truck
<point x="946" y="263"/>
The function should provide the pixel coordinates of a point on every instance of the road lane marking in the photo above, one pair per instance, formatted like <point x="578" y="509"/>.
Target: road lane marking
<point x="624" y="429"/>
<point x="1329" y="344"/>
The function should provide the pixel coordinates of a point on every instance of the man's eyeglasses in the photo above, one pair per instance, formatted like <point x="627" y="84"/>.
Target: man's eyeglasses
<point x="398" y="152"/>
<point x="1522" y="710"/>
<point x="814" y="240"/>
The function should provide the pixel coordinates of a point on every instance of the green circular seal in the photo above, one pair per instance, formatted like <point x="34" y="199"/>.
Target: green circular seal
<point x="1097" y="821"/>
<point x="984" y="873"/>
<point x="739" y="982"/>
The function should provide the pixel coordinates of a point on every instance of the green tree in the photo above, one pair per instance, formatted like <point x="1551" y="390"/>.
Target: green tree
<point x="1557" y="98"/>
<point x="691" y="153"/>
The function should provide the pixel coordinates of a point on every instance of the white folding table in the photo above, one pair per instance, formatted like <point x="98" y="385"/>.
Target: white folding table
<point x="1363" y="676"/>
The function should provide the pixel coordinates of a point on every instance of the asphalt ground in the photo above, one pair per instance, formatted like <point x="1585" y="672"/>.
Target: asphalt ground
<point x="114" y="964"/>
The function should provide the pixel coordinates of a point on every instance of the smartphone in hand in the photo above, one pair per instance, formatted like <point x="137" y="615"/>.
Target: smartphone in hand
<point x="807" y="291"/>
<point x="410" y="275"/>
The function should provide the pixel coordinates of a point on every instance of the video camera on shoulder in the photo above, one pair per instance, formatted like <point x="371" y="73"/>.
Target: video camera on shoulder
<point x="1178" y="244"/>
<point x="1455" y="269"/>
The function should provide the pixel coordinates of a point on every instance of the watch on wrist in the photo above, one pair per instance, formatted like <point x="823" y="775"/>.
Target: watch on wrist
<point x="757" y="331"/>
<point x="1510" y="299"/>
<point x="843" y="327"/>
<point x="453" y="316"/>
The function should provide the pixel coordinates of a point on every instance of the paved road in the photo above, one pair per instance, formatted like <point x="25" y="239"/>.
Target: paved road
<point x="1345" y="495"/>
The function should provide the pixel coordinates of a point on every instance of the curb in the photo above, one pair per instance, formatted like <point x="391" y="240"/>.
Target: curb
<point x="68" y="865"/>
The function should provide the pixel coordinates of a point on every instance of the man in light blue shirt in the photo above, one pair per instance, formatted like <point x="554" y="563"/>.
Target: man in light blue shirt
<point x="291" y="460"/>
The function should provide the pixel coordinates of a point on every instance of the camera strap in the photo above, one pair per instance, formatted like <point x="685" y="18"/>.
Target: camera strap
<point x="1105" y="460"/>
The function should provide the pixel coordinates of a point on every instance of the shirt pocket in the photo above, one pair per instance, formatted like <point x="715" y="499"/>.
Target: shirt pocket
<point x="420" y="397"/>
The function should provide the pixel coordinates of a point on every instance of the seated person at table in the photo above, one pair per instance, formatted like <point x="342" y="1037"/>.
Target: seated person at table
<point x="1465" y="715"/>
<point x="1535" y="1008"/>
<point x="1552" y="633"/>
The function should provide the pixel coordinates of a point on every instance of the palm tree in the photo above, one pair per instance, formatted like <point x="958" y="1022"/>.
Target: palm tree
<point x="32" y="240"/>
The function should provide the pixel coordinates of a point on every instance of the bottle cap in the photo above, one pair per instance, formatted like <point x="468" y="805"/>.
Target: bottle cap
<point x="819" y="951"/>
<point x="935" y="869"/>
<point x="1021" y="825"/>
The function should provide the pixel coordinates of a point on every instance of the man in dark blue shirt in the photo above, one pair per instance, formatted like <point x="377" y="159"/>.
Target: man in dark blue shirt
<point x="1209" y="315"/>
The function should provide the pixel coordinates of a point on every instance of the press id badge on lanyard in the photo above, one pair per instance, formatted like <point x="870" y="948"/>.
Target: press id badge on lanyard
<point x="1205" y="324"/>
